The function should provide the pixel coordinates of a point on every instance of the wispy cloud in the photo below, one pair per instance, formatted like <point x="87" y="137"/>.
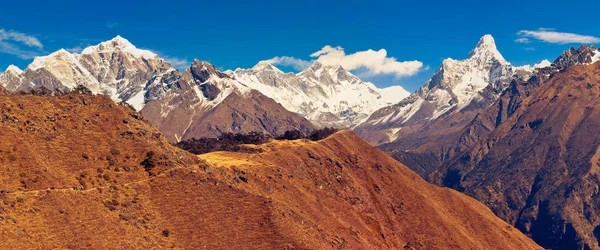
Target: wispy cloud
<point x="19" y="37"/>
<point x="178" y="63"/>
<point x="375" y="62"/>
<point x="522" y="40"/>
<point x="296" y="63"/>
<point x="19" y="44"/>
<point x="8" y="48"/>
<point x="551" y="36"/>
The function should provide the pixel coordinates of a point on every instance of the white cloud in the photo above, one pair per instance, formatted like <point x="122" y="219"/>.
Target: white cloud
<point x="178" y="63"/>
<point x="551" y="36"/>
<point x="522" y="40"/>
<point x="296" y="63"/>
<point x="375" y="62"/>
<point x="23" y="38"/>
<point x="19" y="44"/>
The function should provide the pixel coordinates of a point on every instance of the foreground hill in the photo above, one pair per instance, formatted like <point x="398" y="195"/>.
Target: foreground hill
<point x="79" y="171"/>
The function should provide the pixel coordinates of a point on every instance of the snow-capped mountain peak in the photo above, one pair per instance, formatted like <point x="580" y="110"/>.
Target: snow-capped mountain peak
<point x="486" y="50"/>
<point x="13" y="69"/>
<point x="119" y="44"/>
<point x="266" y="65"/>
<point x="456" y="84"/>
<point x="57" y="57"/>
<point x="326" y="94"/>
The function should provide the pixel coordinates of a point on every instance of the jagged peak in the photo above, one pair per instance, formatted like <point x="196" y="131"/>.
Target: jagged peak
<point x="266" y="65"/>
<point x="584" y="54"/>
<point x="119" y="44"/>
<point x="61" y="54"/>
<point x="200" y="63"/>
<point x="486" y="50"/>
<point x="203" y="70"/>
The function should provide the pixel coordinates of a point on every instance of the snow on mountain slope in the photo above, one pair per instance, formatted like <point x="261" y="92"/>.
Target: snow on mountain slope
<point x="115" y="68"/>
<point x="207" y="102"/>
<point x="10" y="76"/>
<point x="456" y="85"/>
<point x="328" y="95"/>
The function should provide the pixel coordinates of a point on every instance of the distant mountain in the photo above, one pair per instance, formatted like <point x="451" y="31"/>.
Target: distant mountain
<point x="182" y="105"/>
<point x="530" y="155"/>
<point x="82" y="171"/>
<point x="207" y="102"/>
<point x="325" y="94"/>
<point x="456" y="86"/>
<point x="115" y="68"/>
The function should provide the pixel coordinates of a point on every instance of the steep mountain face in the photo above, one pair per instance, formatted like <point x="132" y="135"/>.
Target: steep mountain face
<point x="115" y="68"/>
<point x="10" y="77"/>
<point x="207" y="102"/>
<point x="3" y="91"/>
<point x="325" y="94"/>
<point x="81" y="171"/>
<point x="457" y="86"/>
<point x="529" y="156"/>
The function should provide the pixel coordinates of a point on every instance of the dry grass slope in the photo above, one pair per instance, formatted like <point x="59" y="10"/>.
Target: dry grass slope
<point x="76" y="172"/>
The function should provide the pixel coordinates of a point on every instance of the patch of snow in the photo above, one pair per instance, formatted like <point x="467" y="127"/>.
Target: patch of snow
<point x="596" y="56"/>
<point x="138" y="101"/>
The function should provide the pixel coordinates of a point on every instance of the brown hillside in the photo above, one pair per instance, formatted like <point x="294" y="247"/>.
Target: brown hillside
<point x="532" y="157"/>
<point x="343" y="191"/>
<point x="247" y="113"/>
<point x="79" y="171"/>
<point x="539" y="167"/>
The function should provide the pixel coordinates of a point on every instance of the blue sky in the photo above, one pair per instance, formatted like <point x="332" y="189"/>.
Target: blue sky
<point x="233" y="34"/>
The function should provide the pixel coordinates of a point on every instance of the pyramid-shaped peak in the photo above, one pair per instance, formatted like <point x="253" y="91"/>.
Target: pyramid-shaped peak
<point x="486" y="50"/>
<point x="487" y="41"/>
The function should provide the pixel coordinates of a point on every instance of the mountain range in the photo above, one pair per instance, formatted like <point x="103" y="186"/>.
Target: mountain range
<point x="519" y="139"/>
<point x="198" y="101"/>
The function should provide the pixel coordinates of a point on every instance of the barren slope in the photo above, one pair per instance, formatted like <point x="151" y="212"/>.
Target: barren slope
<point x="344" y="191"/>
